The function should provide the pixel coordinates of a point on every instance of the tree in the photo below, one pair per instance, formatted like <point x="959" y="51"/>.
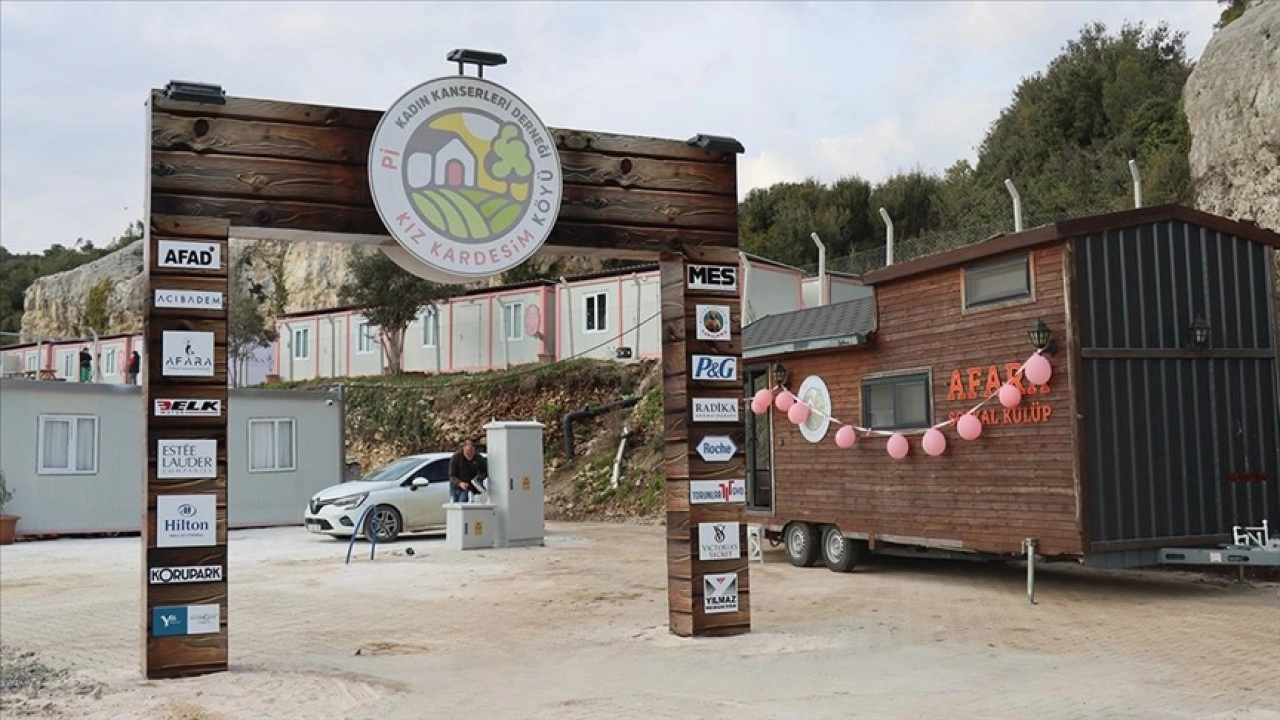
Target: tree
<point x="94" y="316"/>
<point x="389" y="298"/>
<point x="1231" y="11"/>
<point x="246" y="332"/>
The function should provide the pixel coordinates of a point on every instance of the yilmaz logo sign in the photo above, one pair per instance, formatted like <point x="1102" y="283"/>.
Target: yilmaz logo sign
<point x="718" y="541"/>
<point x="187" y="354"/>
<point x="183" y="459"/>
<point x="189" y="299"/>
<point x="189" y="255"/>
<point x="177" y="407"/>
<point x="705" y="492"/>
<point x="721" y="278"/>
<point x="720" y="593"/>
<point x="170" y="620"/>
<point x="715" y="410"/>
<point x="715" y="367"/>
<point x="185" y="574"/>
<point x="465" y="177"/>
<point x="186" y="520"/>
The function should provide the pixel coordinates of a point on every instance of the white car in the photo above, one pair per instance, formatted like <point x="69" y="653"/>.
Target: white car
<point x="409" y="494"/>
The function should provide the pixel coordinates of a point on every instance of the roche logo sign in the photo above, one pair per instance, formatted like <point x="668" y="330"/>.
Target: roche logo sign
<point x="715" y="367"/>
<point x="176" y="407"/>
<point x="718" y="541"/>
<point x="189" y="255"/>
<point x="186" y="520"/>
<point x="715" y="410"/>
<point x="716" y="448"/>
<point x="705" y="492"/>
<point x="185" y="574"/>
<point x="723" y="278"/>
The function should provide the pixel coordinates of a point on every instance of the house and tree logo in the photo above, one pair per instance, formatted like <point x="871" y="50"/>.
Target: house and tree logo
<point x="465" y="177"/>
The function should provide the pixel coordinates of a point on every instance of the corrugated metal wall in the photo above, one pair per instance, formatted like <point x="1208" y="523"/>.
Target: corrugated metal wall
<point x="1175" y="440"/>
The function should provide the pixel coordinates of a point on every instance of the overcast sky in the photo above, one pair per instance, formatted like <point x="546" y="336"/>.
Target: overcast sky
<point x="812" y="90"/>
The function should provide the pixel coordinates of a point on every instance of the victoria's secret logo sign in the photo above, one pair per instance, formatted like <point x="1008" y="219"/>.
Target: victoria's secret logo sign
<point x="979" y="382"/>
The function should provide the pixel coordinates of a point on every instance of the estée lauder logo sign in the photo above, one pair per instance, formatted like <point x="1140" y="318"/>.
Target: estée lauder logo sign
<point x="465" y="177"/>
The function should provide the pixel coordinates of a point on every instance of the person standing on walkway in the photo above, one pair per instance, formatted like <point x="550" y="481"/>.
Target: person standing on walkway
<point x="467" y="473"/>
<point x="86" y="365"/>
<point x="135" y="365"/>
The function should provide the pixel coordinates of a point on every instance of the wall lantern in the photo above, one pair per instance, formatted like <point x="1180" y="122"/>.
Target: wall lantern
<point x="1042" y="337"/>
<point x="184" y="91"/>
<point x="1199" y="332"/>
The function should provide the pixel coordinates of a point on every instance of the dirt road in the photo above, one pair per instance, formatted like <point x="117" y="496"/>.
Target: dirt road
<point x="577" y="630"/>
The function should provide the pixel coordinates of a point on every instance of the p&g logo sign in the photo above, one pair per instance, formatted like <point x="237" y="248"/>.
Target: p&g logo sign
<point x="715" y="367"/>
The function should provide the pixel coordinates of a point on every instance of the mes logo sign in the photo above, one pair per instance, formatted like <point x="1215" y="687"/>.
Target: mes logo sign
<point x="722" y="278"/>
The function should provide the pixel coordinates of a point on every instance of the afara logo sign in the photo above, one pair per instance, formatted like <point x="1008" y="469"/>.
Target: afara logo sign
<point x="465" y="177"/>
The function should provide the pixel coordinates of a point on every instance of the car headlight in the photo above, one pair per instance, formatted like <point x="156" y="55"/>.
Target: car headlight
<point x="350" y="501"/>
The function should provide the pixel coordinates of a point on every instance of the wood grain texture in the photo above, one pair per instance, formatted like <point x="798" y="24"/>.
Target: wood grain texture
<point x="257" y="138"/>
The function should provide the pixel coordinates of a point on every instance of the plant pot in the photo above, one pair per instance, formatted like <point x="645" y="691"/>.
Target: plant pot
<point x="7" y="525"/>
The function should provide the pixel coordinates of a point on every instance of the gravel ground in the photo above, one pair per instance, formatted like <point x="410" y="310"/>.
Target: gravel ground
<point x="577" y="630"/>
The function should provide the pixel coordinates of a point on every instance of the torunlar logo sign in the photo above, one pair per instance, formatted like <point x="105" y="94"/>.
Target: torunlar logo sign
<point x="465" y="177"/>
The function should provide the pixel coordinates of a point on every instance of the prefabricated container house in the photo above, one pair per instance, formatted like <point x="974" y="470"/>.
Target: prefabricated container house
<point x="1157" y="428"/>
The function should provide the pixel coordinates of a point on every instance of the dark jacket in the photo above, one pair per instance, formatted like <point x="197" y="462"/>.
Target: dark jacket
<point x="463" y="470"/>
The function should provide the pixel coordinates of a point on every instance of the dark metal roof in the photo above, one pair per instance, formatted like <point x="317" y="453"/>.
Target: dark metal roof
<point x="845" y="323"/>
<point x="1067" y="229"/>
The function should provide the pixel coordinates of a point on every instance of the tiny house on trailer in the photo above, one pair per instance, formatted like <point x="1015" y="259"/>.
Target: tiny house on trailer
<point x="1157" y="428"/>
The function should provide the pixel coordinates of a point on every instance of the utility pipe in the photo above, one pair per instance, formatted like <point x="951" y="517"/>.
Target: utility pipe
<point x="617" y="459"/>
<point x="888" y="237"/>
<point x="1017" y="205"/>
<point x="566" y="423"/>
<point x="568" y="308"/>
<point x="1137" y="183"/>
<point x="822" y="268"/>
<point x="1029" y="544"/>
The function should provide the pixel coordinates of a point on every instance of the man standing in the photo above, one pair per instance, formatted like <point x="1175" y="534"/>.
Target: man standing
<point x="467" y="472"/>
<point x="135" y="365"/>
<point x="86" y="364"/>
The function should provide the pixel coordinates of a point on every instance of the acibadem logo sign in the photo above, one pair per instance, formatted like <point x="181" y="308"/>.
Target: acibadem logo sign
<point x="465" y="177"/>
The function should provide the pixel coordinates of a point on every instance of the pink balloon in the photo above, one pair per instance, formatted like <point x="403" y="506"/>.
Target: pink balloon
<point x="760" y="408"/>
<point x="1038" y="371"/>
<point x="764" y="397"/>
<point x="784" y="401"/>
<point x="934" y="443"/>
<point x="1010" y="395"/>
<point x="798" y="413"/>
<point x="845" y="437"/>
<point x="898" y="446"/>
<point x="969" y="426"/>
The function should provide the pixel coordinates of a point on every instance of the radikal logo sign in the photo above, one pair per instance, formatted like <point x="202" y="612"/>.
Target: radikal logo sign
<point x="189" y="255"/>
<point x="721" y="278"/>
<point x="715" y="367"/>
<point x="720" y="593"/>
<point x="465" y="177"/>
<point x="185" y="574"/>
<point x="187" y="354"/>
<point x="184" y="459"/>
<point x="189" y="299"/>
<point x="705" y="492"/>
<point x="186" y="520"/>
<point x="718" y="541"/>
<point x="174" y="407"/>
<point x="715" y="410"/>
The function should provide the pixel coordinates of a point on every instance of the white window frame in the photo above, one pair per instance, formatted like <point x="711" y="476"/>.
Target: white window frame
<point x="302" y="343"/>
<point x="430" y="327"/>
<point x="366" y="333"/>
<point x="602" y="318"/>
<point x="33" y="362"/>
<point x="71" y="365"/>
<point x="923" y="376"/>
<point x="513" y="320"/>
<point x="109" y="362"/>
<point x="74" y="422"/>
<point x="275" y="451"/>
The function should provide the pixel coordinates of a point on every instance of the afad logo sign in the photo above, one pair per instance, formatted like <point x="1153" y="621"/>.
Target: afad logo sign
<point x="465" y="177"/>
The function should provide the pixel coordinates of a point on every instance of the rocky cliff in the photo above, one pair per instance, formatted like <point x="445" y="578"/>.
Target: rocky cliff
<point x="1233" y="109"/>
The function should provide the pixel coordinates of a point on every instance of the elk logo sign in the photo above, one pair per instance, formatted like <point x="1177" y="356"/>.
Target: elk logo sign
<point x="465" y="176"/>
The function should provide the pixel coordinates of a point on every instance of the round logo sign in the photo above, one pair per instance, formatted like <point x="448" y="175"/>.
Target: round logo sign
<point x="465" y="177"/>
<point x="813" y="392"/>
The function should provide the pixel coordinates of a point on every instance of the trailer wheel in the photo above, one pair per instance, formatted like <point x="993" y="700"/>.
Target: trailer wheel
<point x="839" y="553"/>
<point x="801" y="541"/>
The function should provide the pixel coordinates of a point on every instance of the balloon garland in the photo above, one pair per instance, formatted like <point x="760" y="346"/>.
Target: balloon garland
<point x="1036" y="370"/>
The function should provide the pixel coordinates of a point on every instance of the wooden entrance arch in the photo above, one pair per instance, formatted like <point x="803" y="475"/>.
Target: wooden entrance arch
<point x="250" y="168"/>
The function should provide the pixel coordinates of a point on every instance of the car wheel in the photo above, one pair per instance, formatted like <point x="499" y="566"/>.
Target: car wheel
<point x="387" y="520"/>
<point x="839" y="553"/>
<point x="801" y="541"/>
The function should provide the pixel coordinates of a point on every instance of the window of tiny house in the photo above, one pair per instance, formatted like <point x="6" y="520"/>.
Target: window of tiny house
<point x="997" y="282"/>
<point x="900" y="401"/>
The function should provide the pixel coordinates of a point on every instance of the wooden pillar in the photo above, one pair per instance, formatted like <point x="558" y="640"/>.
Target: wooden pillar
<point x="708" y="588"/>
<point x="184" y="522"/>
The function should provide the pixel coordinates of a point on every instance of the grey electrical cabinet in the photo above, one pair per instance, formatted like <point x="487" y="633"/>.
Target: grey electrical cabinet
<point x="514" y="451"/>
